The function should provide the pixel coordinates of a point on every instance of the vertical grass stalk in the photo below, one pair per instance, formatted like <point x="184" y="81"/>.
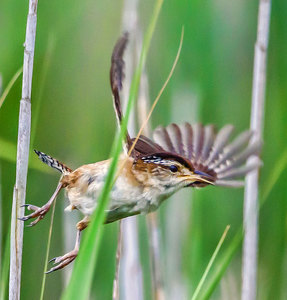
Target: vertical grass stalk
<point x="116" y="285"/>
<point x="203" y="278"/>
<point x="279" y="167"/>
<point x="129" y="260"/>
<point x="249" y="268"/>
<point x="84" y="267"/>
<point x="154" y="235"/>
<point x="47" y="251"/>
<point x="144" y="115"/>
<point x="24" y="127"/>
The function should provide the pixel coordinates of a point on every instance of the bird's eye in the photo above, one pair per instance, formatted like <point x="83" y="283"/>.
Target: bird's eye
<point x="173" y="168"/>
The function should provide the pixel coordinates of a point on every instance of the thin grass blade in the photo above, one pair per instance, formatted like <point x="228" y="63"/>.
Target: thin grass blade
<point x="43" y="76"/>
<point x="203" y="278"/>
<point x="47" y="251"/>
<point x="279" y="167"/>
<point x="85" y="265"/>
<point x="160" y="92"/>
<point x="10" y="85"/>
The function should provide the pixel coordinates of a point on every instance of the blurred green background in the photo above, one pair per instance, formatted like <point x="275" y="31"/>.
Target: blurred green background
<point x="75" y="123"/>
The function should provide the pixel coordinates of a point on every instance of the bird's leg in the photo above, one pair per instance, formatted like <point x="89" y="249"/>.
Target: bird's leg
<point x="40" y="212"/>
<point x="63" y="261"/>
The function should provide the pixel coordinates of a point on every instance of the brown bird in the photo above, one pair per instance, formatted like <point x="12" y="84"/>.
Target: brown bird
<point x="179" y="156"/>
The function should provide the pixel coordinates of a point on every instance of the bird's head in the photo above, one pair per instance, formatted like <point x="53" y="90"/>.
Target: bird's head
<point x="168" y="172"/>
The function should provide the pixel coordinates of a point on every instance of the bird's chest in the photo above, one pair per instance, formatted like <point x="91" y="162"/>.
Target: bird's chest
<point x="126" y="193"/>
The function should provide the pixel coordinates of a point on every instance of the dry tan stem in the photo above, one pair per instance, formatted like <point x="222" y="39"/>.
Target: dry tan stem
<point x="116" y="287"/>
<point x="22" y="155"/>
<point x="249" y="269"/>
<point x="131" y="15"/>
<point x="177" y="217"/>
<point x="128" y="267"/>
<point x="155" y="257"/>
<point x="152" y="218"/>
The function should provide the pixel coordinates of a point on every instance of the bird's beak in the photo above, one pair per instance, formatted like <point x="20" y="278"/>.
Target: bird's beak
<point x="202" y="177"/>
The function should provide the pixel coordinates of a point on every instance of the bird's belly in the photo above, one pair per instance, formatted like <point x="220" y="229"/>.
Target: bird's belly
<point x="127" y="193"/>
<point x="121" y="196"/>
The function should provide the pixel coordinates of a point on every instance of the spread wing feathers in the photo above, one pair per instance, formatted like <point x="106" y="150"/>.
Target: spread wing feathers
<point x="116" y="78"/>
<point x="211" y="152"/>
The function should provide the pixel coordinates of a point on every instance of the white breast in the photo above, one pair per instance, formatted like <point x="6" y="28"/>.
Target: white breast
<point x="125" y="193"/>
<point x="128" y="193"/>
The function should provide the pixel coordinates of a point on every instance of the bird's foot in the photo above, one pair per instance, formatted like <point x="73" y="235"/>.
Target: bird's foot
<point x="63" y="261"/>
<point x="39" y="213"/>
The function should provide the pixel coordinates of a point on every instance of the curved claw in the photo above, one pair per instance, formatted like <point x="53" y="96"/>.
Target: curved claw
<point x="40" y="212"/>
<point x="53" y="259"/>
<point x="62" y="261"/>
<point x="30" y="207"/>
<point x="23" y="218"/>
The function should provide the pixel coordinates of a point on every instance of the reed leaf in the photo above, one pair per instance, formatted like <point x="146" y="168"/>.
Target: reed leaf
<point x="201" y="282"/>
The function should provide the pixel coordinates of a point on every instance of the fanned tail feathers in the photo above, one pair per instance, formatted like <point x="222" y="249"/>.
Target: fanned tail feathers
<point x="211" y="152"/>
<point x="53" y="163"/>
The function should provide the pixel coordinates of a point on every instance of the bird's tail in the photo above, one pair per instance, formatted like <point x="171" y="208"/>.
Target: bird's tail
<point x="53" y="163"/>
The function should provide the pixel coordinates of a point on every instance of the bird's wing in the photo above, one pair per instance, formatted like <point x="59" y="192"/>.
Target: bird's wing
<point x="145" y="146"/>
<point x="210" y="151"/>
<point x="116" y="79"/>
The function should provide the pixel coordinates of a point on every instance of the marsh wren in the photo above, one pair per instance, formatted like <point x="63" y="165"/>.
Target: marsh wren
<point x="179" y="156"/>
